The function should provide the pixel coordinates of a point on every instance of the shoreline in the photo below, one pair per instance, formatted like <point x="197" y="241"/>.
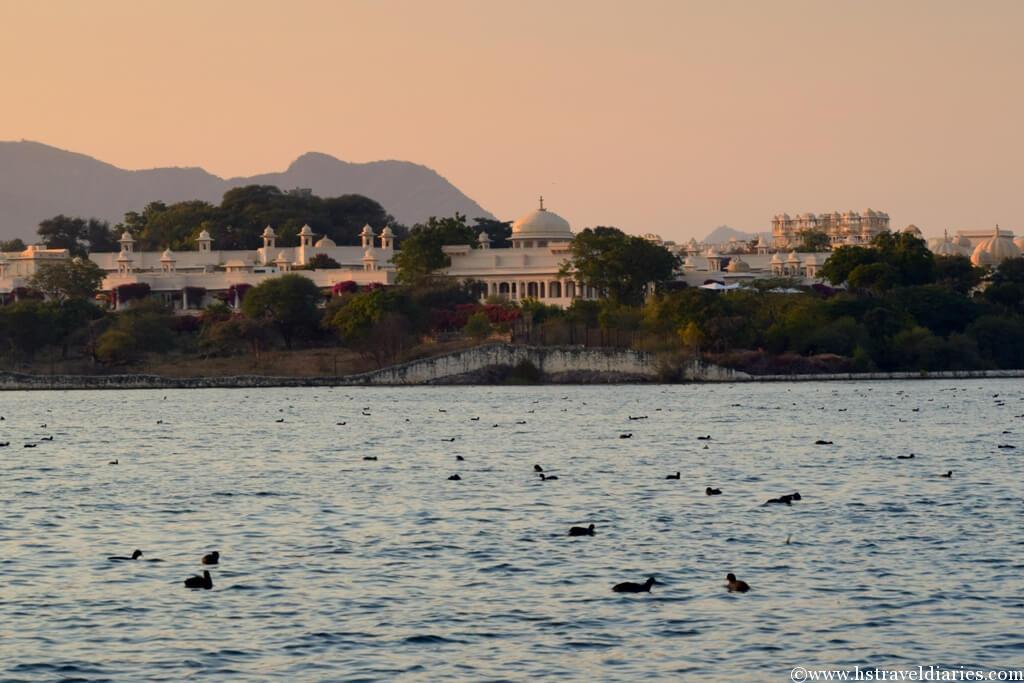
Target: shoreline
<point x="10" y="381"/>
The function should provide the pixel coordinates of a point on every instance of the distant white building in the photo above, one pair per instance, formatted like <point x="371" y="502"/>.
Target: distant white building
<point x="18" y="266"/>
<point x="179" y="277"/>
<point x="848" y="227"/>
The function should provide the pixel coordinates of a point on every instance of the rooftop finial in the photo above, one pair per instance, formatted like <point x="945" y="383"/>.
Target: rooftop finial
<point x="542" y="202"/>
<point x="997" y="230"/>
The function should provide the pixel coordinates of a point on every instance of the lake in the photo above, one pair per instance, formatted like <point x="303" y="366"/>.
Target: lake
<point x="338" y="568"/>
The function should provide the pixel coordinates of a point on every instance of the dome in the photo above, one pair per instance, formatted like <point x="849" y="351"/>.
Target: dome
<point x="269" y="232"/>
<point x="946" y="248"/>
<point x="126" y="237"/>
<point x="793" y="258"/>
<point x="306" y="231"/>
<point x="482" y="238"/>
<point x="386" y="232"/>
<point x="994" y="250"/>
<point x="738" y="265"/>
<point x="541" y="224"/>
<point x="325" y="242"/>
<point x="203" y="235"/>
<point x="167" y="255"/>
<point x="912" y="230"/>
<point x="776" y="258"/>
<point x="281" y="258"/>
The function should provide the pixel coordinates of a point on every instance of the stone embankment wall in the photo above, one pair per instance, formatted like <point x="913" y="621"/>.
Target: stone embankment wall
<point x="557" y="364"/>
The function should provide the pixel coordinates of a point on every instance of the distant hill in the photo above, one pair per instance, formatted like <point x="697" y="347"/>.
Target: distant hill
<point x="38" y="181"/>
<point x="723" y="233"/>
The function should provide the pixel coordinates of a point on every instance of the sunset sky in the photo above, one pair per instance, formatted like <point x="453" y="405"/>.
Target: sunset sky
<point x="671" y="117"/>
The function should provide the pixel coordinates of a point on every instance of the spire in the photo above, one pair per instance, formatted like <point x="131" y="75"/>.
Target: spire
<point x="542" y="203"/>
<point x="997" y="230"/>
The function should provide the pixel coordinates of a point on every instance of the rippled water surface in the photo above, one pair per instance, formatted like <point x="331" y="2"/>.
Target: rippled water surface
<point x="338" y="568"/>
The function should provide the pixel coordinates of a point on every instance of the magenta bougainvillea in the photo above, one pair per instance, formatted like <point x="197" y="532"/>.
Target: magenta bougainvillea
<point x="455" y="319"/>
<point x="344" y="287"/>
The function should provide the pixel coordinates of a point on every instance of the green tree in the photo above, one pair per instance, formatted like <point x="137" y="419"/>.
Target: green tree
<point x="814" y="241"/>
<point x="844" y="260"/>
<point x="12" y="245"/>
<point x="421" y="252"/>
<point x="77" y="235"/>
<point x="322" y="262"/>
<point x="289" y="302"/>
<point x="478" y="326"/>
<point x="498" y="231"/>
<point x="622" y="265"/>
<point x="27" y="327"/>
<point x="957" y="273"/>
<point x="77" y="278"/>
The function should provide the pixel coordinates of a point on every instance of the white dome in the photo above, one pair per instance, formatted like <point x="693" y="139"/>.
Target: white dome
<point x="325" y="242"/>
<point x="269" y="232"/>
<point x="306" y="231"/>
<point x="386" y="232"/>
<point x="946" y="248"/>
<point x="167" y="255"/>
<point x="994" y="250"/>
<point x="912" y="230"/>
<point x="204" y="235"/>
<point x="776" y="258"/>
<point x="368" y="255"/>
<point x="793" y="258"/>
<point x="126" y="237"/>
<point x="541" y="224"/>
<point x="281" y="258"/>
<point x="483" y="237"/>
<point x="738" y="265"/>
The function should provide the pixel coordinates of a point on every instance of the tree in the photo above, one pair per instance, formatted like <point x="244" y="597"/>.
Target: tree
<point x="421" y="252"/>
<point x="78" y="278"/>
<point x="77" y="235"/>
<point x="27" y="326"/>
<point x="478" y="326"/>
<point x="957" y="273"/>
<point x="814" y="241"/>
<point x="844" y="260"/>
<point x="623" y="266"/>
<point x="908" y="258"/>
<point x="12" y="245"/>
<point x="322" y="262"/>
<point x="498" y="231"/>
<point x="289" y="302"/>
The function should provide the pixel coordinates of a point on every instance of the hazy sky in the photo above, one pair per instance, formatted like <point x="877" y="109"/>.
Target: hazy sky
<point x="671" y="117"/>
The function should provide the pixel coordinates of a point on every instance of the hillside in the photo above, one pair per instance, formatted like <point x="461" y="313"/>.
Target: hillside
<point x="38" y="181"/>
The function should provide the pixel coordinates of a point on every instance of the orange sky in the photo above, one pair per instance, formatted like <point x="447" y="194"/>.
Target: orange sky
<point x="671" y="117"/>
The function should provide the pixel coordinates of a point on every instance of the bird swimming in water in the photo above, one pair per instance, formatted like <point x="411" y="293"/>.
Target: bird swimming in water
<point x="786" y="499"/>
<point x="630" y="587"/>
<point x="582" y="530"/>
<point x="112" y="462"/>
<point x="822" y="442"/>
<point x="673" y="476"/>
<point x="4" y="444"/>
<point x="211" y="558"/>
<point x="369" y="457"/>
<point x="474" y="419"/>
<point x="704" y="438"/>
<point x="449" y="440"/>
<point x="625" y="436"/>
<point x="455" y="477"/>
<point x="905" y="457"/>
<point x="947" y="475"/>
<point x="735" y="585"/>
<point x="712" y="492"/>
<point x="120" y="558"/>
<point x="538" y="468"/>
<point x="544" y="477"/>
<point x="340" y="424"/>
<point x="203" y="581"/>
<point x="50" y="438"/>
<point x="459" y="458"/>
<point x="279" y="420"/>
<point x="30" y="445"/>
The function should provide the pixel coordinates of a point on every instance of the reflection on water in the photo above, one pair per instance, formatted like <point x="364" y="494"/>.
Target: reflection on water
<point x="334" y="567"/>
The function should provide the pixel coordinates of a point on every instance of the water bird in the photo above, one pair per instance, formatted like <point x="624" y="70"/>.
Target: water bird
<point x="538" y="468"/>
<point x="5" y="444"/>
<point x="340" y="424"/>
<point x="520" y="422"/>
<point x="822" y="442"/>
<point x="279" y="420"/>
<point x="455" y="477"/>
<point x="50" y="438"/>
<point x="625" y="436"/>
<point x="120" y="558"/>
<point x="203" y="581"/>
<point x="582" y="530"/>
<point x="159" y="422"/>
<point x="638" y="417"/>
<point x="673" y="476"/>
<point x="712" y="492"/>
<point x="369" y="457"/>
<point x="735" y="585"/>
<point x="30" y="445"/>
<point x="630" y="587"/>
<point x="1006" y="446"/>
<point x="905" y="457"/>
<point x="441" y="410"/>
<point x="788" y="537"/>
<point x="947" y="475"/>
<point x="474" y="419"/>
<point x="449" y="440"/>
<point x="704" y="438"/>
<point x="459" y="458"/>
<point x="544" y="477"/>
<point x="212" y="557"/>
<point x="112" y="462"/>
<point x="42" y="426"/>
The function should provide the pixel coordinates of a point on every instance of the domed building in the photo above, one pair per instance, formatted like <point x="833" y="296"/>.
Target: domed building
<point x="945" y="246"/>
<point x="530" y="269"/>
<point x="538" y="228"/>
<point x="995" y="250"/>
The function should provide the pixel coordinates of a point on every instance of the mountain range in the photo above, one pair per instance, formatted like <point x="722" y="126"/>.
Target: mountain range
<point x="38" y="181"/>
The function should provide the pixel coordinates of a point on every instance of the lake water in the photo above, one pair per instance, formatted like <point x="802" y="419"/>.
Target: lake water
<point x="336" y="568"/>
